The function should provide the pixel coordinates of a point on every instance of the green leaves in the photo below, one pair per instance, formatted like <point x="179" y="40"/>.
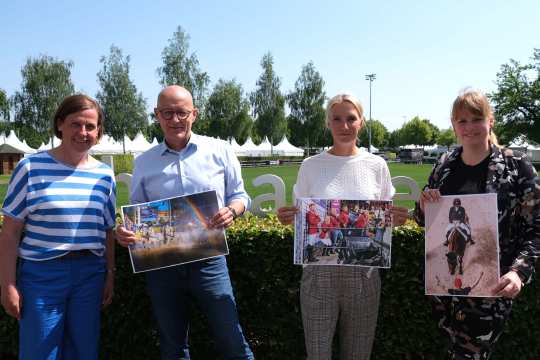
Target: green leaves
<point x="124" y="108"/>
<point x="46" y="82"/>
<point x="517" y="109"/>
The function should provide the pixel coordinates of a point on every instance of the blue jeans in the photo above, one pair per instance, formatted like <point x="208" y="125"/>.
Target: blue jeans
<point x="206" y="282"/>
<point x="61" y="302"/>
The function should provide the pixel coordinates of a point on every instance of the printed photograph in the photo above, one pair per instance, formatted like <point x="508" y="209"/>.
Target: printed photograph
<point x="462" y="247"/>
<point x="343" y="233"/>
<point x="174" y="231"/>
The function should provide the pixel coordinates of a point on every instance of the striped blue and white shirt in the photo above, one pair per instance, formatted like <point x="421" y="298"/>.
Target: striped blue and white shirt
<point x="64" y="208"/>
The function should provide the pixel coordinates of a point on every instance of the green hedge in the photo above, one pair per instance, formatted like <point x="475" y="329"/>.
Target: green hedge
<point x="123" y="163"/>
<point x="267" y="291"/>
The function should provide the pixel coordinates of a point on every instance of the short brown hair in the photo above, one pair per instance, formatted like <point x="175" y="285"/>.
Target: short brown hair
<point x="73" y="104"/>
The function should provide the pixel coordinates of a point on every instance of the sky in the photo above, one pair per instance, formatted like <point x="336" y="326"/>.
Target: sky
<point x="422" y="52"/>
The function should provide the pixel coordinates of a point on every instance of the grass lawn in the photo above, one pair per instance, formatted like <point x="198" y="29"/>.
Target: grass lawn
<point x="287" y="173"/>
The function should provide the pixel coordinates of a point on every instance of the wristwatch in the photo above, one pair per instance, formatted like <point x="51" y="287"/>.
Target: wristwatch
<point x="234" y="214"/>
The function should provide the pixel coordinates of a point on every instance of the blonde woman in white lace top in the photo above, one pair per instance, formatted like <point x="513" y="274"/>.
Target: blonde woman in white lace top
<point x="344" y="296"/>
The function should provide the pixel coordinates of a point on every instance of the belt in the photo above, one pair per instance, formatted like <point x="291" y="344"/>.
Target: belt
<point x="77" y="254"/>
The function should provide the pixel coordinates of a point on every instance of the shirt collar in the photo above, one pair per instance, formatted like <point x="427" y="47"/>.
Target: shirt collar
<point x="194" y="141"/>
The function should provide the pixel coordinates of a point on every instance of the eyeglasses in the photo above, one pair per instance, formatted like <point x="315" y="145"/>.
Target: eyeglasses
<point x="180" y="114"/>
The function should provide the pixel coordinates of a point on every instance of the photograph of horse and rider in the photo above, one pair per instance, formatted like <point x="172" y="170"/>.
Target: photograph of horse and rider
<point x="343" y="232"/>
<point x="462" y="248"/>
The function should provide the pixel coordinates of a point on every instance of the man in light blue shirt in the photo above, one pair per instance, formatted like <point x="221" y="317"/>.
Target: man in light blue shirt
<point x="183" y="164"/>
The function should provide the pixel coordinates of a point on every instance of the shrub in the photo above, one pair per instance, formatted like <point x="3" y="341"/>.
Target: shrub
<point x="123" y="163"/>
<point x="266" y="287"/>
<point x="390" y="155"/>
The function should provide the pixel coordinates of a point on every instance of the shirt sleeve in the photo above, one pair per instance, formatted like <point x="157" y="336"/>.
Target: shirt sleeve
<point x="234" y="184"/>
<point x="529" y="220"/>
<point x="301" y="187"/>
<point x="137" y="191"/>
<point x="387" y="189"/>
<point x="110" y="207"/>
<point x="15" y="201"/>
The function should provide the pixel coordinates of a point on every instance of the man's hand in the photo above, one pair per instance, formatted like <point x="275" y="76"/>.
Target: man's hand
<point x="125" y="237"/>
<point x="223" y="219"/>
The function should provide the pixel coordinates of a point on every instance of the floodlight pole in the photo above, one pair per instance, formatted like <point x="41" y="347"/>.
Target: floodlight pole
<point x="370" y="78"/>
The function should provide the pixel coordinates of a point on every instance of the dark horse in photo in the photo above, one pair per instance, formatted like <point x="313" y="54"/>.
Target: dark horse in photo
<point x="457" y="242"/>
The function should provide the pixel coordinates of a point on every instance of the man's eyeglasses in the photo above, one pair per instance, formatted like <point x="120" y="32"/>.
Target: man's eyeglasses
<point x="168" y="114"/>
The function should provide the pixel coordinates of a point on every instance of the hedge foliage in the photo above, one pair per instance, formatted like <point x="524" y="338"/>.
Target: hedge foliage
<point x="267" y="292"/>
<point x="123" y="163"/>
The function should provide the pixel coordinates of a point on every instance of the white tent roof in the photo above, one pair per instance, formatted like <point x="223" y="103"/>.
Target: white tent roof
<point x="13" y="141"/>
<point x="264" y="148"/>
<point x="236" y="148"/>
<point x="138" y="145"/>
<point x="373" y="149"/>
<point x="107" y="145"/>
<point x="249" y="148"/>
<point x="287" y="149"/>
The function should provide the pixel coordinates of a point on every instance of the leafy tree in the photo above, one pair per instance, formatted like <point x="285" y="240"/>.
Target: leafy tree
<point x="395" y="139"/>
<point x="46" y="82"/>
<point x="227" y="111"/>
<point x="434" y="132"/>
<point x="268" y="103"/>
<point x="517" y="108"/>
<point x="447" y="138"/>
<point x="4" y="106"/>
<point x="182" y="68"/>
<point x="153" y="130"/>
<point x="124" y="108"/>
<point x="33" y="137"/>
<point x="379" y="134"/>
<point x="306" y="103"/>
<point x="416" y="131"/>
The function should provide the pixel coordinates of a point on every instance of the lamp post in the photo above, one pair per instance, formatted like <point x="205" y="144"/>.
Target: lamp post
<point x="370" y="77"/>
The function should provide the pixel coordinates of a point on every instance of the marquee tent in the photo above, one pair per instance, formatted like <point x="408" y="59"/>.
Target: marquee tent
<point x="285" y="148"/>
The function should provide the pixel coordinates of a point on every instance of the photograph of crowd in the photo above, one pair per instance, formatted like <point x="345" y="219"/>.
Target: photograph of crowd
<point x="462" y="247"/>
<point x="174" y="231"/>
<point x="343" y="232"/>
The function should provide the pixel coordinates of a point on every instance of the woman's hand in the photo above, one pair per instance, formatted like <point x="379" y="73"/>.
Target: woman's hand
<point x="429" y="195"/>
<point x="399" y="215"/>
<point x="108" y="290"/>
<point x="12" y="301"/>
<point x="509" y="285"/>
<point x="222" y="219"/>
<point x="286" y="214"/>
<point x="125" y="237"/>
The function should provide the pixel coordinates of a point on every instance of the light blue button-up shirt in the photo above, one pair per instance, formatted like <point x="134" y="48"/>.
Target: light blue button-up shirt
<point x="203" y="164"/>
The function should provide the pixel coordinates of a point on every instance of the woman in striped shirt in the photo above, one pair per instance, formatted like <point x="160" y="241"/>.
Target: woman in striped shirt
<point x="58" y="220"/>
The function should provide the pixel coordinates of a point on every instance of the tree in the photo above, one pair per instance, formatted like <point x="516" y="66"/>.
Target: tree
<point x="395" y="139"/>
<point x="379" y="134"/>
<point x="182" y="68"/>
<point x="46" y="82"/>
<point x="434" y="132"/>
<point x="4" y="106"/>
<point x="227" y="111"/>
<point x="516" y="104"/>
<point x="268" y="103"/>
<point x="447" y="138"/>
<point x="306" y="103"/>
<point x="416" y="131"/>
<point x="124" y="108"/>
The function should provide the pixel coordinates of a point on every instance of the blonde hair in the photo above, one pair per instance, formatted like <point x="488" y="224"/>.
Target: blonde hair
<point x="341" y="98"/>
<point x="477" y="103"/>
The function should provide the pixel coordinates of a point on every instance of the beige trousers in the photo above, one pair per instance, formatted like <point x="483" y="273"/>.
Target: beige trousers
<point x="343" y="296"/>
